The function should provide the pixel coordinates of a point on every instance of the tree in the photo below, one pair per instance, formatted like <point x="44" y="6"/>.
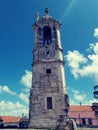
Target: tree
<point x="95" y="91"/>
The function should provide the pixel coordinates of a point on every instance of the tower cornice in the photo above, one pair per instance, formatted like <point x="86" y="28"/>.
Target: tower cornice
<point x="47" y="62"/>
<point x="45" y="20"/>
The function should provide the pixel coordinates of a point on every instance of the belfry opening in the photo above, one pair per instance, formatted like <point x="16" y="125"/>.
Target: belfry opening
<point x="47" y="35"/>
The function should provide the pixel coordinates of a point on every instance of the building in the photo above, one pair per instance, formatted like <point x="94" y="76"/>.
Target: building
<point x="85" y="115"/>
<point x="95" y="108"/>
<point x="1" y="122"/>
<point x="10" y="121"/>
<point x="49" y="103"/>
<point x="23" y="122"/>
<point x="13" y="122"/>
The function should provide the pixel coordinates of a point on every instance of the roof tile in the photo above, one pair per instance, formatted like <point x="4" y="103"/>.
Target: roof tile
<point x="10" y="119"/>
<point x="81" y="108"/>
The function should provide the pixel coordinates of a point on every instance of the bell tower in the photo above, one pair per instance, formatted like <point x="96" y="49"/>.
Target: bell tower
<point x="49" y="103"/>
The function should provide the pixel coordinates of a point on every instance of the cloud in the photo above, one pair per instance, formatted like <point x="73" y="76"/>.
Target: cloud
<point x="24" y="97"/>
<point x="77" y="96"/>
<point x="15" y="108"/>
<point x="6" y="89"/>
<point x="83" y="102"/>
<point x="81" y="66"/>
<point x="74" y="60"/>
<point x="27" y="78"/>
<point x="12" y="109"/>
<point x="96" y="32"/>
<point x="92" y="101"/>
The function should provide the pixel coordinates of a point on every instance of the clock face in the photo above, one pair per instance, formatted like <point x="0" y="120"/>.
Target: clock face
<point x="48" y="53"/>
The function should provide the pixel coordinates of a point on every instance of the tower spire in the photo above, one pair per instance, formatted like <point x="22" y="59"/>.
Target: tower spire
<point x="46" y="10"/>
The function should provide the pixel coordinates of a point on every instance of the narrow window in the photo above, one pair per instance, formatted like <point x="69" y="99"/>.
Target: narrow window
<point x="55" y="35"/>
<point x="83" y="121"/>
<point x="39" y="31"/>
<point x="47" y="35"/>
<point x="49" y="102"/>
<point x="90" y="121"/>
<point x="48" y="71"/>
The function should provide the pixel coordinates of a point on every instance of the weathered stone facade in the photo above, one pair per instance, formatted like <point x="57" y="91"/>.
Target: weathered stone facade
<point x="48" y="96"/>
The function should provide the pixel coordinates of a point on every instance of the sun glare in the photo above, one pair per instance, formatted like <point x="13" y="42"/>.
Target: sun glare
<point x="68" y="9"/>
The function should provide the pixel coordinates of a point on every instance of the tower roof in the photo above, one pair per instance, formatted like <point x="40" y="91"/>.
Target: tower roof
<point x="46" y="19"/>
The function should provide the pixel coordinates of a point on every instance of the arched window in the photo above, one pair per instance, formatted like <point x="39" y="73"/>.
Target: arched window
<point x="47" y="35"/>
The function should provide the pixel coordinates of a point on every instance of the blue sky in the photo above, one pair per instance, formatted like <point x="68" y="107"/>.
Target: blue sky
<point x="79" y="35"/>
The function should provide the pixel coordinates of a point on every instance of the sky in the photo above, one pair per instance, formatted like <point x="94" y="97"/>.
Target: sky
<point x="79" y="36"/>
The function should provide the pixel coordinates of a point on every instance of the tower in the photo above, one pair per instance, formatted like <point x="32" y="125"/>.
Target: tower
<point x="48" y="96"/>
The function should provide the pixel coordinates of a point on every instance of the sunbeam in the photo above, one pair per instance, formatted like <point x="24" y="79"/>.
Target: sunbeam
<point x="68" y="10"/>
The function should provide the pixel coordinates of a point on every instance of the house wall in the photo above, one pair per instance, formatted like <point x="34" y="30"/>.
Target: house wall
<point x="11" y="124"/>
<point x="79" y="115"/>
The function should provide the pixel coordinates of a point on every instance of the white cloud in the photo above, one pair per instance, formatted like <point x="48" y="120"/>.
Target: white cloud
<point x="6" y="89"/>
<point x="26" y="78"/>
<point x="75" y="59"/>
<point x="77" y="96"/>
<point x="24" y="97"/>
<point x="81" y="66"/>
<point x="96" y="32"/>
<point x="92" y="101"/>
<point x="14" y="109"/>
<point x="83" y="102"/>
<point x="94" y="47"/>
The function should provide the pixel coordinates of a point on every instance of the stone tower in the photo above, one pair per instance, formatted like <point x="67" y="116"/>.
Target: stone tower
<point x="48" y="96"/>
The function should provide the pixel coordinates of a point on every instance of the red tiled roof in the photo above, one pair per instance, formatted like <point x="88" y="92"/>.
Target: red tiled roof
<point x="76" y="108"/>
<point x="10" y="119"/>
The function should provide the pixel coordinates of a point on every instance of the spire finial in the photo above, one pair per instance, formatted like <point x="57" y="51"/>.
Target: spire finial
<point x="37" y="16"/>
<point x="46" y="10"/>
